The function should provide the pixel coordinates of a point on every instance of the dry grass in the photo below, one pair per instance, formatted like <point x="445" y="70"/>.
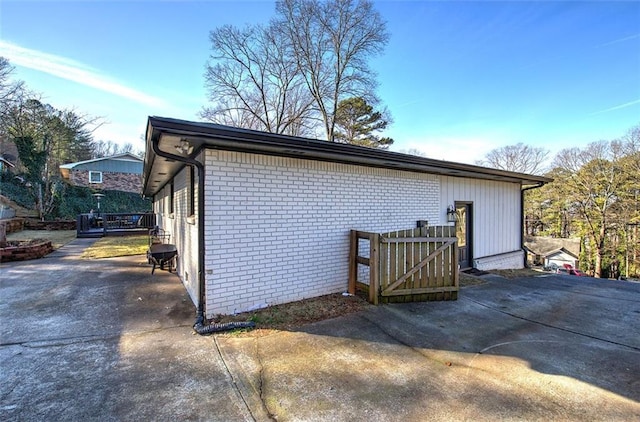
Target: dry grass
<point x="58" y="238"/>
<point x="110" y="247"/>
<point x="524" y="272"/>
<point x="289" y="316"/>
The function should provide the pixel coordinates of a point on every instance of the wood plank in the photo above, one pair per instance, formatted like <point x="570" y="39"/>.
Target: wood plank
<point x="421" y="291"/>
<point x="393" y="259"/>
<point x="384" y="265"/>
<point x="417" y="257"/>
<point x="401" y="257"/>
<point x="374" y="268"/>
<point x="353" y="265"/>
<point x="432" y="267"/>
<point x="439" y="260"/>
<point x="413" y="270"/>
<point x="454" y="264"/>
<point x="362" y="260"/>
<point x="417" y="239"/>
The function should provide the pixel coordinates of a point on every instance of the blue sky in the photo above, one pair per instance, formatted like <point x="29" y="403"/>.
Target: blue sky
<point x="459" y="78"/>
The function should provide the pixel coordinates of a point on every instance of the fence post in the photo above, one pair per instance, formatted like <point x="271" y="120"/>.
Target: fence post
<point x="374" y="267"/>
<point x="353" y="261"/>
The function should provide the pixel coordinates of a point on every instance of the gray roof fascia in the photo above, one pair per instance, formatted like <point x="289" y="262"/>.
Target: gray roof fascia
<point x="244" y="140"/>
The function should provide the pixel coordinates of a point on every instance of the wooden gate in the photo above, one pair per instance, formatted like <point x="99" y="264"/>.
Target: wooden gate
<point x="407" y="265"/>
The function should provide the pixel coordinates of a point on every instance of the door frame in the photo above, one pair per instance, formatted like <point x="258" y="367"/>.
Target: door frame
<point x="469" y="229"/>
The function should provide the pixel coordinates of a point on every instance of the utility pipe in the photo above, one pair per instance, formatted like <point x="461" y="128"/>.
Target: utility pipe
<point x="522" y="191"/>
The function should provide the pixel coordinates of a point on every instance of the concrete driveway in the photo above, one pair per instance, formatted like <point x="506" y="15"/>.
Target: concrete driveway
<point x="105" y="340"/>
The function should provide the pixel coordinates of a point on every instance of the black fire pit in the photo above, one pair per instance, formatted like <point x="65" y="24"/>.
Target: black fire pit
<point x="161" y="254"/>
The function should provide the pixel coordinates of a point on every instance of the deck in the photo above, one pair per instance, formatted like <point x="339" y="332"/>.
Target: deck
<point x="116" y="224"/>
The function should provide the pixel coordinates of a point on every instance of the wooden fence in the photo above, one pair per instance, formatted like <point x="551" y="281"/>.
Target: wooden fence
<point x="407" y="265"/>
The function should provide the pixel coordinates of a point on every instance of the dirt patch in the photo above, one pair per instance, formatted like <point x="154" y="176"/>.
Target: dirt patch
<point x="470" y="280"/>
<point x="524" y="272"/>
<point x="290" y="316"/>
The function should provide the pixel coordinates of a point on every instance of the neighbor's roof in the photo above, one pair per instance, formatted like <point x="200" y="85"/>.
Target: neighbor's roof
<point x="167" y="133"/>
<point x="118" y="157"/>
<point x="560" y="251"/>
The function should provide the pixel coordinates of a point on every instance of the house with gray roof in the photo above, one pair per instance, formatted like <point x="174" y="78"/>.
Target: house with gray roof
<point x="261" y="219"/>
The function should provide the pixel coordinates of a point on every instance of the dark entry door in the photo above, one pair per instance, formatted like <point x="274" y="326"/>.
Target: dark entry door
<point x="464" y="212"/>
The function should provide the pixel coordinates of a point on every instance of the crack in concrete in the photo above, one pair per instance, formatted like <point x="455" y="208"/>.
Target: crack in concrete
<point x="261" y="383"/>
<point x="544" y="324"/>
<point x="233" y="379"/>
<point x="415" y="349"/>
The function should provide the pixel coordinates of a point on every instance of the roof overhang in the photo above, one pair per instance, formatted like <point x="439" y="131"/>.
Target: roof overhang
<point x="167" y="133"/>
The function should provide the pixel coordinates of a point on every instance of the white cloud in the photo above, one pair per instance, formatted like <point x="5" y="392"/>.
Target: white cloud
<point x="74" y="71"/>
<point x="618" y="107"/>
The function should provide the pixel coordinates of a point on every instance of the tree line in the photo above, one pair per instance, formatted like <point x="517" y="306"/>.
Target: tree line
<point x="594" y="196"/>
<point x="45" y="137"/>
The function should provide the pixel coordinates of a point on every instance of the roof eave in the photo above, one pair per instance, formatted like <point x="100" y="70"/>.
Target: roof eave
<point x="244" y="140"/>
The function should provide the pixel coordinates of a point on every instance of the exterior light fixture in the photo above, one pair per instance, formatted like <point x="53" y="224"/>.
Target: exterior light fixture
<point x="184" y="148"/>
<point x="452" y="216"/>
<point x="98" y="197"/>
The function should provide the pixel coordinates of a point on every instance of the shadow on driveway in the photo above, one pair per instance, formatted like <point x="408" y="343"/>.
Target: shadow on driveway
<point x="531" y="349"/>
<point x="105" y="340"/>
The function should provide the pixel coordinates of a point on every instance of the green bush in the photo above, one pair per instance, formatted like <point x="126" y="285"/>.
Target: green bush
<point x="76" y="200"/>
<point x="73" y="200"/>
<point x="14" y="189"/>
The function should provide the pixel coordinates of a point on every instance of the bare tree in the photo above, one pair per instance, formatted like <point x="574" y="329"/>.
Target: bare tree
<point x="109" y="148"/>
<point x="10" y="91"/>
<point x="519" y="158"/>
<point x="331" y="42"/>
<point x="253" y="82"/>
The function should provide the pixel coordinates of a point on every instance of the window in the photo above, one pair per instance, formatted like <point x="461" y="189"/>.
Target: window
<point x="192" y="192"/>
<point x="95" y="177"/>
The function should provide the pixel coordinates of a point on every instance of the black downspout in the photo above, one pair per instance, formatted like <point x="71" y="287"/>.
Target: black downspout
<point x="522" y="191"/>
<point x="199" y="326"/>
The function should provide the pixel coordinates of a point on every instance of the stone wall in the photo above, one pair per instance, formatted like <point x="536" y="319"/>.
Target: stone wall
<point x="127" y="182"/>
<point x="14" y="225"/>
<point x="26" y="252"/>
<point x="31" y="224"/>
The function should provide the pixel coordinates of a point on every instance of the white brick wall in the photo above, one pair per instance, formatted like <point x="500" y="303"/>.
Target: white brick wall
<point x="277" y="229"/>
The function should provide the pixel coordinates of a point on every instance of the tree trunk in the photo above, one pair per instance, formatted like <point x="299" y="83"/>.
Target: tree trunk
<point x="600" y="252"/>
<point x="3" y="234"/>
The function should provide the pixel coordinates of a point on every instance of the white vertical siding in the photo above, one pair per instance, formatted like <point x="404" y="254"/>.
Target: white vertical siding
<point x="496" y="212"/>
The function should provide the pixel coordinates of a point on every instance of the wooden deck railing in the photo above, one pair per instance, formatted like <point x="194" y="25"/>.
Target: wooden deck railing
<point x="98" y="225"/>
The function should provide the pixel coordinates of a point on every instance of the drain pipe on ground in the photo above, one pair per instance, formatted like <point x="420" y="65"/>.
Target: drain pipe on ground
<point x="199" y="325"/>
<point x="522" y="217"/>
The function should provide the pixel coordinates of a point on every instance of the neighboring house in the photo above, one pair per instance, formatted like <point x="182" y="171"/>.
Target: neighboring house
<point x="117" y="172"/>
<point x="560" y="257"/>
<point x="543" y="250"/>
<point x="268" y="220"/>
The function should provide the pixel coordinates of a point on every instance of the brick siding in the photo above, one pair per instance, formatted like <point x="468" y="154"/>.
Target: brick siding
<point x="277" y="229"/>
<point x="127" y="182"/>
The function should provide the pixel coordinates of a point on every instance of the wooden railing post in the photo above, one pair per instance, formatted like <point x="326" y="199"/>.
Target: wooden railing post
<point x="353" y="261"/>
<point x="374" y="267"/>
